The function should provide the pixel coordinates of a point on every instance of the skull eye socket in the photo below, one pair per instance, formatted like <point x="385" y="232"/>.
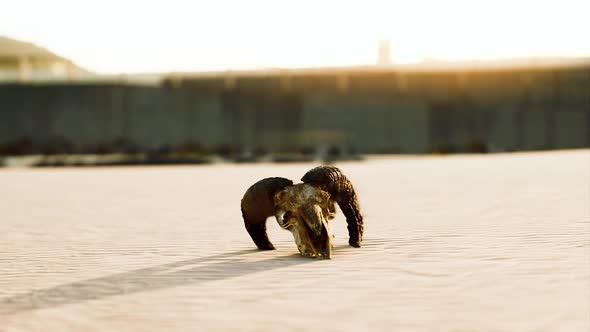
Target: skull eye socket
<point x="284" y="221"/>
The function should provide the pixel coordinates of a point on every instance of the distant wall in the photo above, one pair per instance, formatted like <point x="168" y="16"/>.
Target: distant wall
<point x="367" y="112"/>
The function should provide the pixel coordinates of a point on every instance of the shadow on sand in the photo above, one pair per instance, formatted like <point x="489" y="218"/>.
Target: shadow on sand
<point x="194" y="271"/>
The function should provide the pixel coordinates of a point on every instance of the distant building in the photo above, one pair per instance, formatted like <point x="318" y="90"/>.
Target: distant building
<point x="25" y="62"/>
<point x="421" y="108"/>
<point x="384" y="56"/>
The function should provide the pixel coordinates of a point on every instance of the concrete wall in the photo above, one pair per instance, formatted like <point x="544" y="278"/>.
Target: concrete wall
<point x="369" y="112"/>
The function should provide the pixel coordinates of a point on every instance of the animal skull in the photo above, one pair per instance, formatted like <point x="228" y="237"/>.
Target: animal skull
<point x="304" y="210"/>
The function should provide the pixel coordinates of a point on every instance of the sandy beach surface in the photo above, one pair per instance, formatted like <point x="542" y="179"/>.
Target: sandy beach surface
<point x="458" y="243"/>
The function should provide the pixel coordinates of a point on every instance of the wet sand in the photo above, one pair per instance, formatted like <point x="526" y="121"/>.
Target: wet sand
<point x="461" y="243"/>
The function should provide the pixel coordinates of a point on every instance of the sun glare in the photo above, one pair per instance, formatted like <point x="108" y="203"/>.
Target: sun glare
<point x="132" y="36"/>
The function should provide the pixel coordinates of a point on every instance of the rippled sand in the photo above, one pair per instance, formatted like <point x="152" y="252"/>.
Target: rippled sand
<point x="462" y="243"/>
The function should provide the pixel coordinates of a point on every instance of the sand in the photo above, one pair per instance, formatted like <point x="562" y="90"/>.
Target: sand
<point x="459" y="243"/>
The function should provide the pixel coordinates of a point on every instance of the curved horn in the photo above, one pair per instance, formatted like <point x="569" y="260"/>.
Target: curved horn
<point x="332" y="180"/>
<point x="257" y="205"/>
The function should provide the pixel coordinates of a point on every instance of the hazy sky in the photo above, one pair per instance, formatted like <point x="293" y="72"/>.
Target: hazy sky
<point x="111" y="36"/>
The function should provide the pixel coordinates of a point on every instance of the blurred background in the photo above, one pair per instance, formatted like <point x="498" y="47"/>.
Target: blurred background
<point x="195" y="82"/>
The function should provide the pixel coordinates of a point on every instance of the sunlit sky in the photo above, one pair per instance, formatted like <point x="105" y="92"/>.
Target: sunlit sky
<point x="114" y="36"/>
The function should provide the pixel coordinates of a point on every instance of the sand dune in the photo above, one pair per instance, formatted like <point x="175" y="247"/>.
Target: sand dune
<point x="462" y="243"/>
